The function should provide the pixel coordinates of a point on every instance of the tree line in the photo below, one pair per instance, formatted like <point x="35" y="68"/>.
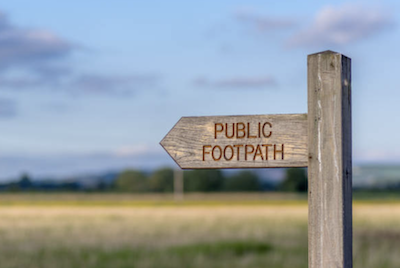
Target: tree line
<point x="162" y="181"/>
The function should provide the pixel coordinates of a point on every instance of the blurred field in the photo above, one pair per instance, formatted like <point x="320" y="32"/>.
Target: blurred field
<point x="240" y="230"/>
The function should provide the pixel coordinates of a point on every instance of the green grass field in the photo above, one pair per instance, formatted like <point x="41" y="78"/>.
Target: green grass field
<point x="239" y="230"/>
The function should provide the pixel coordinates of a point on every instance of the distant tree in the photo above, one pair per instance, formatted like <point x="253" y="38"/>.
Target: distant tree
<point x="24" y="182"/>
<point x="203" y="180"/>
<point x="102" y="186"/>
<point x="295" y="180"/>
<point x="244" y="181"/>
<point x="162" y="180"/>
<point x="131" y="181"/>
<point x="65" y="186"/>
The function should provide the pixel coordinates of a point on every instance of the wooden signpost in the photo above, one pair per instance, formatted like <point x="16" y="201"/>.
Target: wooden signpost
<point x="319" y="140"/>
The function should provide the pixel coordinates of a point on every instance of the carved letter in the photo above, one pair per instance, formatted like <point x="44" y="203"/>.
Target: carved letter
<point x="242" y="129"/>
<point x="233" y="131"/>
<point x="204" y="150"/>
<point x="218" y="130"/>
<point x="232" y="153"/>
<point x="266" y="150"/>
<point x="263" y="130"/>
<point x="277" y="151"/>
<point x="238" y="146"/>
<point x="248" y="132"/>
<point x="258" y="153"/>
<point x="247" y="151"/>
<point x="220" y="153"/>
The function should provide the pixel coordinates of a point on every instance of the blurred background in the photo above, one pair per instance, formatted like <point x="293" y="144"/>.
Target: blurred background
<point x="89" y="88"/>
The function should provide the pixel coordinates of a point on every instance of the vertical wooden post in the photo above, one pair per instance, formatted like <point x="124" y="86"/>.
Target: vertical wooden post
<point x="330" y="161"/>
<point x="178" y="184"/>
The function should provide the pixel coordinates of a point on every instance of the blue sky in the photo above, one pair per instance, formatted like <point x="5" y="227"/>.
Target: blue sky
<point x="90" y="86"/>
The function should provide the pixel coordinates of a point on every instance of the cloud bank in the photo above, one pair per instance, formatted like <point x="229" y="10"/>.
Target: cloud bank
<point x="24" y="47"/>
<point x="337" y="26"/>
<point x="331" y="25"/>
<point x="38" y="57"/>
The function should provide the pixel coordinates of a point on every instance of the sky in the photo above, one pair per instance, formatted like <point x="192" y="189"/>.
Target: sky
<point x="93" y="86"/>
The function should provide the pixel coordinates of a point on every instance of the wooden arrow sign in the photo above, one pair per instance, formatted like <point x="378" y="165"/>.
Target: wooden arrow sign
<point x="254" y="141"/>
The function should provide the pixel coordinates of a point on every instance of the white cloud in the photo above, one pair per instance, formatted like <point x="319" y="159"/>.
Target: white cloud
<point x="25" y="46"/>
<point x="38" y="57"/>
<point x="343" y="25"/>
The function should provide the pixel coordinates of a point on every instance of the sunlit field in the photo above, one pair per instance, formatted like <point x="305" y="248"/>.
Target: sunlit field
<point x="240" y="230"/>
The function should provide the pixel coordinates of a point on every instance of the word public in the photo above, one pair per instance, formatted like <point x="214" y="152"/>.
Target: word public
<point x="243" y="151"/>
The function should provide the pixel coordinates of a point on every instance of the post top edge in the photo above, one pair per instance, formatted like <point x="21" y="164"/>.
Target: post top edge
<point x="327" y="52"/>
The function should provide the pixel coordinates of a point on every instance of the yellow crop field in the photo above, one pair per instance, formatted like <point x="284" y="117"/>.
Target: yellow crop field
<point x="205" y="231"/>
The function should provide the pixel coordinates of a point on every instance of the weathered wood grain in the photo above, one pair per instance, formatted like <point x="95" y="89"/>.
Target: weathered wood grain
<point x="330" y="161"/>
<point x="185" y="141"/>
